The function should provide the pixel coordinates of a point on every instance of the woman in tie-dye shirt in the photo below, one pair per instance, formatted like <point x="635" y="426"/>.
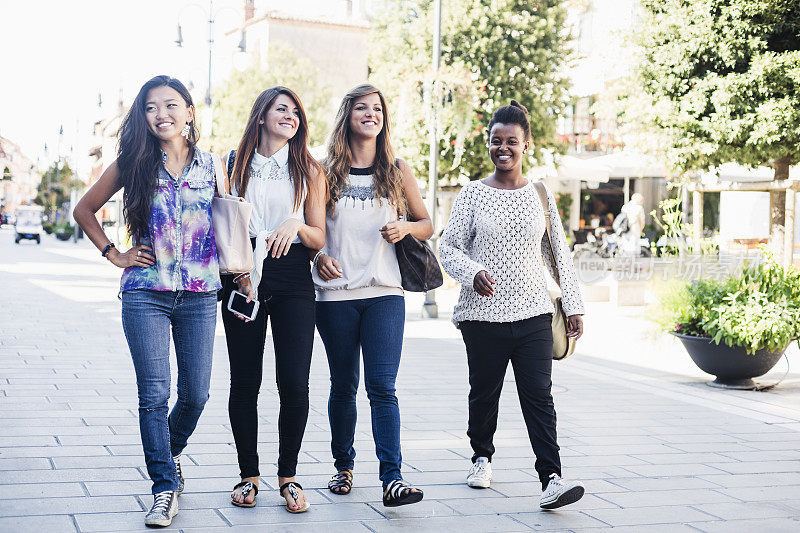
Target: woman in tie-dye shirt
<point x="171" y="273"/>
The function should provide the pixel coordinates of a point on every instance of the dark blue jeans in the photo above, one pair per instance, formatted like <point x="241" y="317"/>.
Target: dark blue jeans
<point x="375" y="326"/>
<point x="147" y="317"/>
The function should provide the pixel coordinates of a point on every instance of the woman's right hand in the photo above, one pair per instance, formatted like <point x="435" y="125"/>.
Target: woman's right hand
<point x="245" y="286"/>
<point x="138" y="256"/>
<point x="483" y="284"/>
<point x="328" y="268"/>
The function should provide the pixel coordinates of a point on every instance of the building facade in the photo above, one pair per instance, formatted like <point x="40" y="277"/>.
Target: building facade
<point x="601" y="31"/>
<point x="331" y="35"/>
<point x="19" y="176"/>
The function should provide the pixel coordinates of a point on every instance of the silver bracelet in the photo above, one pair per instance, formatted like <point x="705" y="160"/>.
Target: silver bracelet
<point x="316" y="258"/>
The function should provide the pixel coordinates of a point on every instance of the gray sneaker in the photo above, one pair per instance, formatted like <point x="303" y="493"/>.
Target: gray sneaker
<point x="165" y="506"/>
<point x="177" y="460"/>
<point x="480" y="475"/>
<point x="560" y="492"/>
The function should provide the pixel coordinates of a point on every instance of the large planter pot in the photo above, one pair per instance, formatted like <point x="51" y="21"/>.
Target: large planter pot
<point x="732" y="365"/>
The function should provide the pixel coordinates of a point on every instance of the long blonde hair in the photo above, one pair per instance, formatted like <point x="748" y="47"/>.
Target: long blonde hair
<point x="388" y="179"/>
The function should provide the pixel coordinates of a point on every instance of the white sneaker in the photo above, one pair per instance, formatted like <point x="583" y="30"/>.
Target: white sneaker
<point x="560" y="492"/>
<point x="165" y="506"/>
<point x="480" y="475"/>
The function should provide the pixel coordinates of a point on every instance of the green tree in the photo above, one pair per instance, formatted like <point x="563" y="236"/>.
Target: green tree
<point x="492" y="51"/>
<point x="55" y="187"/>
<point x="723" y="77"/>
<point x="234" y="99"/>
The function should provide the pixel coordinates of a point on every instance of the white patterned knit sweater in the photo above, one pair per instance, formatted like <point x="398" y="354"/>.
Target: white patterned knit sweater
<point x="503" y="232"/>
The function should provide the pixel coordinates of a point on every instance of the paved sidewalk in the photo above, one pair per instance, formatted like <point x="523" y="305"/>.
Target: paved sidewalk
<point x="657" y="450"/>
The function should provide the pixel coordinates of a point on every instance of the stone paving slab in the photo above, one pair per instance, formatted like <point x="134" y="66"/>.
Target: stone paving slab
<point x="658" y="451"/>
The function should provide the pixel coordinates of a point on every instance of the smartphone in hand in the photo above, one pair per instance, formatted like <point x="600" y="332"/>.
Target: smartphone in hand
<point x="239" y="306"/>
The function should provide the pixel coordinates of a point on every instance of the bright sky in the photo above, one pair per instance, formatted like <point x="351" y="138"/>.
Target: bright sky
<point x="58" y="56"/>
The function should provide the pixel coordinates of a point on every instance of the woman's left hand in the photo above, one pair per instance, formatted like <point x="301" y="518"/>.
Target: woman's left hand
<point x="395" y="231"/>
<point x="575" y="326"/>
<point x="280" y="241"/>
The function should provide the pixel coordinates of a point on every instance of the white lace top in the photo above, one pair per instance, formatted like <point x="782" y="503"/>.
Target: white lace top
<point x="503" y="232"/>
<point x="271" y="191"/>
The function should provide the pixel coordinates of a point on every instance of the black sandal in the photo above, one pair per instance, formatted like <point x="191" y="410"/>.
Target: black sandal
<point x="398" y="493"/>
<point x="247" y="487"/>
<point x="341" y="482"/>
<point x="292" y="488"/>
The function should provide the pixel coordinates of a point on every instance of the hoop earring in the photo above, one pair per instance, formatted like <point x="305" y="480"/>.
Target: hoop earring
<point x="186" y="130"/>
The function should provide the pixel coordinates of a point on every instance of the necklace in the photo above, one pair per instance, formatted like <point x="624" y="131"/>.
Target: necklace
<point x="172" y="172"/>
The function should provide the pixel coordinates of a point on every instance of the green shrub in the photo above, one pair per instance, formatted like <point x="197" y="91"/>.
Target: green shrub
<point x="63" y="229"/>
<point x="759" y="307"/>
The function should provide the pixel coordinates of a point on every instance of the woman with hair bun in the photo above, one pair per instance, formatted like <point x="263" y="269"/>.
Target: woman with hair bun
<point x="493" y="244"/>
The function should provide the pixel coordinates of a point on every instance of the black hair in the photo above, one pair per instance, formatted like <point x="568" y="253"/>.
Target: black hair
<point x="139" y="156"/>
<point x="513" y="113"/>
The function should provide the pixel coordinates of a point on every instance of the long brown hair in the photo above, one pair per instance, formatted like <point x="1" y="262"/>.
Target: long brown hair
<point x="139" y="157"/>
<point x="387" y="175"/>
<point x="301" y="163"/>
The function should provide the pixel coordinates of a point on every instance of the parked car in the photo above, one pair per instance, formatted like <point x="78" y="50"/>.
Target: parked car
<point x="28" y="224"/>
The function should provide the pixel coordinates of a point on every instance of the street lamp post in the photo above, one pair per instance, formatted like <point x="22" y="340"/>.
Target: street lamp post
<point x="212" y="14"/>
<point x="430" y="308"/>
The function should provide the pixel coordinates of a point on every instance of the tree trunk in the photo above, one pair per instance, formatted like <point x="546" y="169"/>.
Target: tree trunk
<point x="777" y="210"/>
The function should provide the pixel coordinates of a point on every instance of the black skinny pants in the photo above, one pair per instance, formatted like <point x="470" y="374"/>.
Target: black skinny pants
<point x="528" y="344"/>
<point x="286" y="294"/>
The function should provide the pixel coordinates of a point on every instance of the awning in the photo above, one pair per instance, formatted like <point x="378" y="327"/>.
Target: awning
<point x="569" y="167"/>
<point x="626" y="164"/>
<point x="735" y="172"/>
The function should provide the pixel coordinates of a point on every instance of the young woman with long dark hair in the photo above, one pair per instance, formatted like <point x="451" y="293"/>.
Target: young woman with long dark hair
<point x="493" y="244"/>
<point x="360" y="304"/>
<point x="171" y="273"/>
<point x="274" y="171"/>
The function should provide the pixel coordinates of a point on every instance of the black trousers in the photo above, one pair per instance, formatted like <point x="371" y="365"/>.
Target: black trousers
<point x="528" y="345"/>
<point x="286" y="293"/>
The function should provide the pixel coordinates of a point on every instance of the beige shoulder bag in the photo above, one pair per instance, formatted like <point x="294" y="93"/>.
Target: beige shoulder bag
<point x="563" y="346"/>
<point x="230" y="216"/>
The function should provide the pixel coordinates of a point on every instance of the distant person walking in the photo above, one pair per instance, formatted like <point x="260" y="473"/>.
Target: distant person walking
<point x="631" y="219"/>
<point x="274" y="171"/>
<point x="360" y="303"/>
<point x="171" y="273"/>
<point x="493" y="245"/>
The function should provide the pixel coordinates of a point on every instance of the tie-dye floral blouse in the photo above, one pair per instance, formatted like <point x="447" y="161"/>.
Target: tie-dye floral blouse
<point x="180" y="234"/>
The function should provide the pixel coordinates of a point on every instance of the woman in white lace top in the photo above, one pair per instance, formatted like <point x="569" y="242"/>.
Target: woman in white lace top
<point x="493" y="244"/>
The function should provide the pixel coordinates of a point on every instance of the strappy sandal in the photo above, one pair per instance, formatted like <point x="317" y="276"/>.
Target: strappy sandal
<point x="247" y="487"/>
<point x="398" y="493"/>
<point x="341" y="482"/>
<point x="292" y="488"/>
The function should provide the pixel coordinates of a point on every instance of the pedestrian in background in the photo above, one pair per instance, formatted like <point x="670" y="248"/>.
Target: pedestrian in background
<point x="493" y="245"/>
<point x="360" y="303"/>
<point x="171" y="273"/>
<point x="274" y="171"/>
<point x="633" y="211"/>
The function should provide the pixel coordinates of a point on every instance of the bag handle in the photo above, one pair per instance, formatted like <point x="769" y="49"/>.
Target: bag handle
<point x="220" y="171"/>
<point x="540" y="188"/>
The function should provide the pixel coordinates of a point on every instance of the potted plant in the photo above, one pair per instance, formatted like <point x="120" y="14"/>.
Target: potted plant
<point x="63" y="231"/>
<point x="736" y="328"/>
